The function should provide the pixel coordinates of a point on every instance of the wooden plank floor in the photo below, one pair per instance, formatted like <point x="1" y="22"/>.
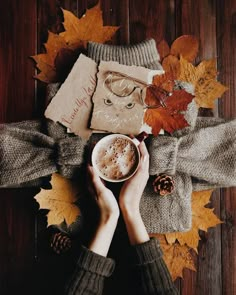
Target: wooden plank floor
<point x="23" y="29"/>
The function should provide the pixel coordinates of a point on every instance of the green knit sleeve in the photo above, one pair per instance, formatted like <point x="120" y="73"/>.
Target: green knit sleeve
<point x="90" y="273"/>
<point x="154" y="274"/>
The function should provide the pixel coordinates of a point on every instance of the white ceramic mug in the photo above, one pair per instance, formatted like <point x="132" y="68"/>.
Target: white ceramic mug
<point x="116" y="157"/>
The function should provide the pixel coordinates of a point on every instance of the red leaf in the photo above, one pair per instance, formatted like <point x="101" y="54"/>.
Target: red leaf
<point x="165" y="81"/>
<point x="171" y="117"/>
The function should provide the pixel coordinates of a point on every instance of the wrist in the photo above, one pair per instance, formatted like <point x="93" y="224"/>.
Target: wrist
<point x="131" y="215"/>
<point x="109" y="219"/>
<point x="130" y="210"/>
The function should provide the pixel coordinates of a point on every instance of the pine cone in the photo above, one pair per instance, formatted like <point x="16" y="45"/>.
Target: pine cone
<point x="163" y="184"/>
<point x="60" y="243"/>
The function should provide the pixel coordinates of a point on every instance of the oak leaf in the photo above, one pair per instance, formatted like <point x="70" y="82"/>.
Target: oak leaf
<point x="60" y="200"/>
<point x="170" y="117"/>
<point x="203" y="78"/>
<point x="202" y="219"/>
<point x="186" y="46"/>
<point x="88" y="28"/>
<point x="176" y="256"/>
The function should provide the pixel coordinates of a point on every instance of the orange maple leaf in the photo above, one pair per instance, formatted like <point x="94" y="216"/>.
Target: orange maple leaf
<point x="203" y="77"/>
<point x="62" y="50"/>
<point x="165" y="81"/>
<point x="176" y="256"/>
<point x="202" y="219"/>
<point x="169" y="118"/>
<point x="60" y="200"/>
<point x="88" y="28"/>
<point x="45" y="61"/>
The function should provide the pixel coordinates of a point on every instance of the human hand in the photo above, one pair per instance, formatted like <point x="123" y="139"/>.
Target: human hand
<point x="104" y="197"/>
<point x="132" y="189"/>
<point x="109" y="214"/>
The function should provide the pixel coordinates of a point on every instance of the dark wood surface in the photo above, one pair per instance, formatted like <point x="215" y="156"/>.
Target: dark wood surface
<point x="24" y="265"/>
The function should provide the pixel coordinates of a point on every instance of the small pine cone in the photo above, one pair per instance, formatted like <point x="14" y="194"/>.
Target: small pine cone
<point x="60" y="243"/>
<point x="163" y="184"/>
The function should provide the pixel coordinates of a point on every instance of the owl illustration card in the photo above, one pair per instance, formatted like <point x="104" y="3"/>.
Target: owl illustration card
<point x="72" y="104"/>
<point x="118" y="100"/>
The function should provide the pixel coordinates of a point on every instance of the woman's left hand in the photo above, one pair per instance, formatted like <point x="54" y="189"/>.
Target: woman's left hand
<point x="104" y="197"/>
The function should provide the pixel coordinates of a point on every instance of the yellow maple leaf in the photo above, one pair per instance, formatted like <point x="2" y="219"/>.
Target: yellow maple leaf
<point x="176" y="256"/>
<point x="203" y="77"/>
<point x="202" y="219"/>
<point x="60" y="200"/>
<point x="45" y="61"/>
<point x="88" y="28"/>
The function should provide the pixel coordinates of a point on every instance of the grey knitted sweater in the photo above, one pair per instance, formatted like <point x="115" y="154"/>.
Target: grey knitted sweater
<point x="205" y="151"/>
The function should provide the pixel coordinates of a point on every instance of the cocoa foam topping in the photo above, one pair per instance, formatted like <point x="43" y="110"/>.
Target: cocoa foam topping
<point x="117" y="158"/>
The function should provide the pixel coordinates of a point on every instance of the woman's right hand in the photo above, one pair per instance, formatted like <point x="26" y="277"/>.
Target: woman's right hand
<point x="133" y="188"/>
<point x="129" y="200"/>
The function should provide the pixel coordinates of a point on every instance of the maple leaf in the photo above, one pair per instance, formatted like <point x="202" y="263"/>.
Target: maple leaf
<point x="176" y="256"/>
<point x="169" y="118"/>
<point x="202" y="219"/>
<point x="165" y="81"/>
<point x="203" y="77"/>
<point x="60" y="200"/>
<point x="186" y="46"/>
<point x="45" y="61"/>
<point x="88" y="28"/>
<point x="63" y="49"/>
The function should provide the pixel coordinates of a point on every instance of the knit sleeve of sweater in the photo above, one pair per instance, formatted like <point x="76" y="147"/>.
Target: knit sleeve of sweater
<point x="91" y="271"/>
<point x="153" y="272"/>
<point x="27" y="153"/>
<point x="207" y="153"/>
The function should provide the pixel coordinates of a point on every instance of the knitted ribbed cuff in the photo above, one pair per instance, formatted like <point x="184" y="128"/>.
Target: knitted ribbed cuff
<point x="163" y="153"/>
<point x="70" y="155"/>
<point x="148" y="252"/>
<point x="95" y="263"/>
<point x="142" y="54"/>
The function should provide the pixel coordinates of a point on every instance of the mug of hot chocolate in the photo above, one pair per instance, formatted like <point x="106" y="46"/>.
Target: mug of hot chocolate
<point x="116" y="156"/>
